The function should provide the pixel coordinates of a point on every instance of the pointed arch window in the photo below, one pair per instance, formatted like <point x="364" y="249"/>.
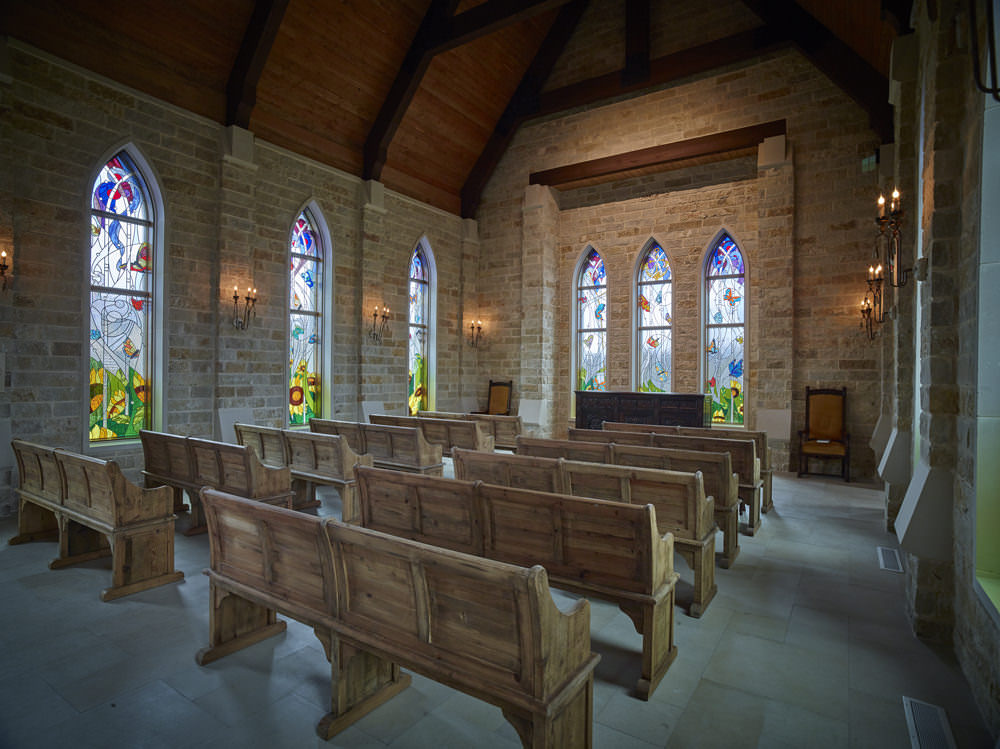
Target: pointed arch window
<point x="725" y="325"/>
<point x="654" y="320"/>
<point x="419" y="331"/>
<point x="591" y="324"/>
<point x="122" y="231"/>
<point x="305" y="321"/>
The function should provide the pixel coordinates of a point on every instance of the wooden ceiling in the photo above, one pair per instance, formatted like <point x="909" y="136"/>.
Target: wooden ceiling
<point x="423" y="95"/>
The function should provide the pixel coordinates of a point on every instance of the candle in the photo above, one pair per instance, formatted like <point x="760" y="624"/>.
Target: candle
<point x="894" y="206"/>
<point x="881" y="206"/>
<point x="878" y="273"/>
<point x="871" y="273"/>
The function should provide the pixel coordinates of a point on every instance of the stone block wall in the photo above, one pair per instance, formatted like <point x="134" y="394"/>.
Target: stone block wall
<point x="228" y="211"/>
<point x="806" y="228"/>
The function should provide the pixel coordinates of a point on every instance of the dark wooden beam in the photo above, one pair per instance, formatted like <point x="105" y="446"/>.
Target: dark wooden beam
<point x="439" y="31"/>
<point x="491" y="16"/>
<point x="241" y="89"/>
<point x="637" y="48"/>
<point x="897" y="13"/>
<point x="689" y="62"/>
<point x="841" y="64"/>
<point x="432" y="28"/>
<point x="523" y="102"/>
<point x="707" y="145"/>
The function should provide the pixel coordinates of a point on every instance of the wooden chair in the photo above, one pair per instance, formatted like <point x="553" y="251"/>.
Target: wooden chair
<point x="825" y="435"/>
<point x="498" y="398"/>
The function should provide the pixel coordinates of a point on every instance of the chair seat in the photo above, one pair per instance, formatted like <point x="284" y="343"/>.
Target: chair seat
<point x="824" y="447"/>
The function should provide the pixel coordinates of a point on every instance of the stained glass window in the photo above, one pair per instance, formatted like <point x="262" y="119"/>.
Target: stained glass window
<point x="419" y="281"/>
<point x="725" y="303"/>
<point x="592" y="324"/>
<point x="654" y="320"/>
<point x="121" y="269"/>
<point x="304" y="322"/>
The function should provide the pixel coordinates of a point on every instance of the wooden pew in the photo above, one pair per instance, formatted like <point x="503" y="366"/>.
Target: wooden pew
<point x="186" y="464"/>
<point x="448" y="433"/>
<point x="742" y="453"/>
<point x="398" y="448"/>
<point x="603" y="549"/>
<point x="312" y="458"/>
<point x="682" y="508"/>
<point x="504" y="429"/>
<point x="716" y="468"/>
<point x="94" y="511"/>
<point x="378" y="603"/>
<point x="759" y="438"/>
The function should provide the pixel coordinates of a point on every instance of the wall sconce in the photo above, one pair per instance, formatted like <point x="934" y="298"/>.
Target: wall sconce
<point x="872" y="309"/>
<point x="475" y="333"/>
<point x="893" y="221"/>
<point x="378" y="328"/>
<point x="866" y="317"/>
<point x="241" y="318"/>
<point x="3" y="268"/>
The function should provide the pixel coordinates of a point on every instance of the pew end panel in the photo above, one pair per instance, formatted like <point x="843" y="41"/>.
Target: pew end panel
<point x="167" y="460"/>
<point x="39" y="477"/>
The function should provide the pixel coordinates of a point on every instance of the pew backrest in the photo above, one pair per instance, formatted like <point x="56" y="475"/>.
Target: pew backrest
<point x="448" y="433"/>
<point x="503" y="429"/>
<point x="539" y="474"/>
<point x="349" y="430"/>
<point x="742" y="452"/>
<point x="40" y="475"/>
<point x="97" y="489"/>
<point x="167" y="455"/>
<point x="602" y="435"/>
<point x="237" y="470"/>
<point x="490" y="628"/>
<point x="594" y="452"/>
<point x="311" y="453"/>
<point x="759" y="437"/>
<point x="399" y="447"/>
<point x="267" y="442"/>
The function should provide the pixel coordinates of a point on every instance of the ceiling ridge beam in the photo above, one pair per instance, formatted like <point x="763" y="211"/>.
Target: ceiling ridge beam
<point x="439" y="31"/>
<point x="706" y="145"/>
<point x="524" y="100"/>
<point x="854" y="75"/>
<point x="241" y="88"/>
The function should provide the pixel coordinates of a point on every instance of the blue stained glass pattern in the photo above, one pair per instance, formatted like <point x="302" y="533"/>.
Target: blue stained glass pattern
<point x="121" y="268"/>
<point x="304" y="323"/>
<point x="592" y="323"/>
<point x="417" y="347"/>
<point x="654" y="329"/>
<point x="725" y="294"/>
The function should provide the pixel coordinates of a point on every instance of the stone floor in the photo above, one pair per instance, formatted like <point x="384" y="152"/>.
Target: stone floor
<point x="806" y="645"/>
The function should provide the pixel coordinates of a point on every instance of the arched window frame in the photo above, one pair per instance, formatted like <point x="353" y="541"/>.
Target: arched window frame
<point x="653" y="311"/>
<point x="590" y="321"/>
<point x="725" y="302"/>
<point x="421" y="329"/>
<point x="310" y="318"/>
<point x="139" y="396"/>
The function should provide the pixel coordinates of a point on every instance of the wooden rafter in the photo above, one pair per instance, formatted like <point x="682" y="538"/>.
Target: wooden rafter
<point x="845" y="67"/>
<point x="241" y="89"/>
<point x="439" y="31"/>
<point x="522" y="103"/>
<point x="637" y="42"/>
<point x="657" y="156"/>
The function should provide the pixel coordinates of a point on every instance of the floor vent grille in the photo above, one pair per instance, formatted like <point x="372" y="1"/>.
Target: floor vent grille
<point x="888" y="559"/>
<point x="928" y="725"/>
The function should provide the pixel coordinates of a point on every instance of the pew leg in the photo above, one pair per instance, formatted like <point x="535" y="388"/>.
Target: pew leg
<point x="753" y="521"/>
<point x="568" y="723"/>
<point x="78" y="543"/>
<point x="304" y="494"/>
<point x="360" y="682"/>
<point x="198" y="522"/>
<point x="655" y="622"/>
<point x="767" y="502"/>
<point x="728" y="520"/>
<point x="35" y="523"/>
<point x="700" y="556"/>
<point x="141" y="560"/>
<point x="235" y="623"/>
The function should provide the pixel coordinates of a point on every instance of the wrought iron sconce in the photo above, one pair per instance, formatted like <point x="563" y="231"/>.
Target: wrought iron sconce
<point x="242" y="317"/>
<point x="475" y="333"/>
<point x="893" y="221"/>
<point x="378" y="327"/>
<point x="872" y="309"/>
<point x="3" y="268"/>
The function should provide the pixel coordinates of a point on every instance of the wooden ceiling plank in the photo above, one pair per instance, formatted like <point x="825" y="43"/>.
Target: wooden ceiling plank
<point x="491" y="16"/>
<point x="841" y="64"/>
<point x="736" y="140"/>
<point x="407" y="80"/>
<point x="525" y="99"/>
<point x="241" y="90"/>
